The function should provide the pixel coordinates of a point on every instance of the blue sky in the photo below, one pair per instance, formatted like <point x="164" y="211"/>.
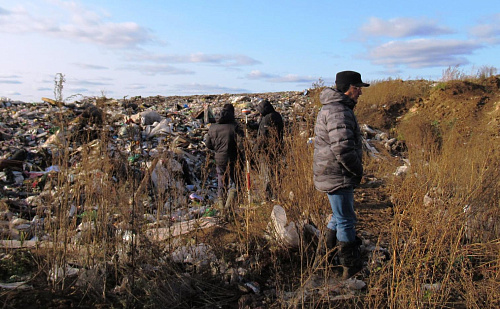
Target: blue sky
<point x="128" y="47"/>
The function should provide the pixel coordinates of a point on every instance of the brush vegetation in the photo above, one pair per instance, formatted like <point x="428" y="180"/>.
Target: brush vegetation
<point x="439" y="221"/>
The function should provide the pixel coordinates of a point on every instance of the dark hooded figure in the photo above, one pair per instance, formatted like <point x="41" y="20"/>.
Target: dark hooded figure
<point x="222" y="137"/>
<point x="270" y="126"/>
<point x="269" y="147"/>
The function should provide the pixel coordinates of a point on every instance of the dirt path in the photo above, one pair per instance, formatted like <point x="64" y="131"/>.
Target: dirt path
<point x="374" y="211"/>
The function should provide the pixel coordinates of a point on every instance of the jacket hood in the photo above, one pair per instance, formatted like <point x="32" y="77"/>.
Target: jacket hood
<point x="330" y="95"/>
<point x="265" y="107"/>
<point x="226" y="116"/>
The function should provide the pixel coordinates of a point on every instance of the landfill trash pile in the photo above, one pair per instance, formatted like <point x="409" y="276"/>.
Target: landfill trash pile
<point x="138" y="131"/>
<point x="163" y="135"/>
<point x="50" y="166"/>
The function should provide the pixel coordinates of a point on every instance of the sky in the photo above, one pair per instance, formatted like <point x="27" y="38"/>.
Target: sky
<point x="126" y="48"/>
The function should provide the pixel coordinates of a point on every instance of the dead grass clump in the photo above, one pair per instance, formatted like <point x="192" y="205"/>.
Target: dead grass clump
<point x="445" y="206"/>
<point x="384" y="101"/>
<point x="456" y="73"/>
<point x="315" y="91"/>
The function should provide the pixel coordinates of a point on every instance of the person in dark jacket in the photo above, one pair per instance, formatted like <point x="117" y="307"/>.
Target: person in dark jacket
<point x="269" y="145"/>
<point x="222" y="137"/>
<point x="337" y="164"/>
<point x="270" y="125"/>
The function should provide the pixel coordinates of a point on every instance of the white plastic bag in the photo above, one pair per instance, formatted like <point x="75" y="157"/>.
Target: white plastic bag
<point x="287" y="234"/>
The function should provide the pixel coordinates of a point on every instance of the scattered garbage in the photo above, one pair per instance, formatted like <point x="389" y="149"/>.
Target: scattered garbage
<point x="180" y="228"/>
<point x="285" y="232"/>
<point x="57" y="273"/>
<point x="16" y="285"/>
<point x="157" y="139"/>
<point x="403" y="169"/>
<point x="355" y="284"/>
<point x="196" y="197"/>
<point x="200" y="254"/>
<point x="254" y="286"/>
<point x="433" y="287"/>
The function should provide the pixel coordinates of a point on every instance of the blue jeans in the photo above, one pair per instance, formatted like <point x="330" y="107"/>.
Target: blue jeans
<point x="344" y="218"/>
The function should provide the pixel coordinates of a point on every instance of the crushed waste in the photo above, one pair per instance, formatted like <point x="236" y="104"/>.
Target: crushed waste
<point x="34" y="137"/>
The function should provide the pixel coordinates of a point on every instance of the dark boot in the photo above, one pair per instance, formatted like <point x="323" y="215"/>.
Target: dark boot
<point x="350" y="258"/>
<point x="331" y="246"/>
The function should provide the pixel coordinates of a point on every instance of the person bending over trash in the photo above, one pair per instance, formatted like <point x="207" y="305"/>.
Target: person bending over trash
<point x="337" y="165"/>
<point x="223" y="137"/>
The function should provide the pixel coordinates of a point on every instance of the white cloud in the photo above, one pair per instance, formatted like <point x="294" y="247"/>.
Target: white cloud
<point x="217" y="59"/>
<point x="157" y="69"/>
<point x="87" y="83"/>
<point x="257" y="74"/>
<point x="91" y="66"/>
<point x="75" y="22"/>
<point x="195" y="88"/>
<point x="421" y="53"/>
<point x="11" y="93"/>
<point x="78" y="90"/>
<point x="290" y="78"/>
<point x="226" y="60"/>
<point x="488" y="30"/>
<point x="403" y="27"/>
<point x="293" y="78"/>
<point x="10" y="80"/>
<point x="136" y="87"/>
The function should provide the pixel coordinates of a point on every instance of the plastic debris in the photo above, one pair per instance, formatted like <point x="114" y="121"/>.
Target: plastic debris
<point x="285" y="232"/>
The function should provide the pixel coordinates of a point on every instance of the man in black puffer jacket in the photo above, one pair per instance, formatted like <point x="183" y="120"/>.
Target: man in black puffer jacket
<point x="337" y="164"/>
<point x="222" y="137"/>
<point x="269" y="146"/>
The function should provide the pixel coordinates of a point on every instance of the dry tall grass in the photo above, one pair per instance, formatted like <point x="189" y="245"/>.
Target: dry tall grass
<point x="445" y="232"/>
<point x="444" y="235"/>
